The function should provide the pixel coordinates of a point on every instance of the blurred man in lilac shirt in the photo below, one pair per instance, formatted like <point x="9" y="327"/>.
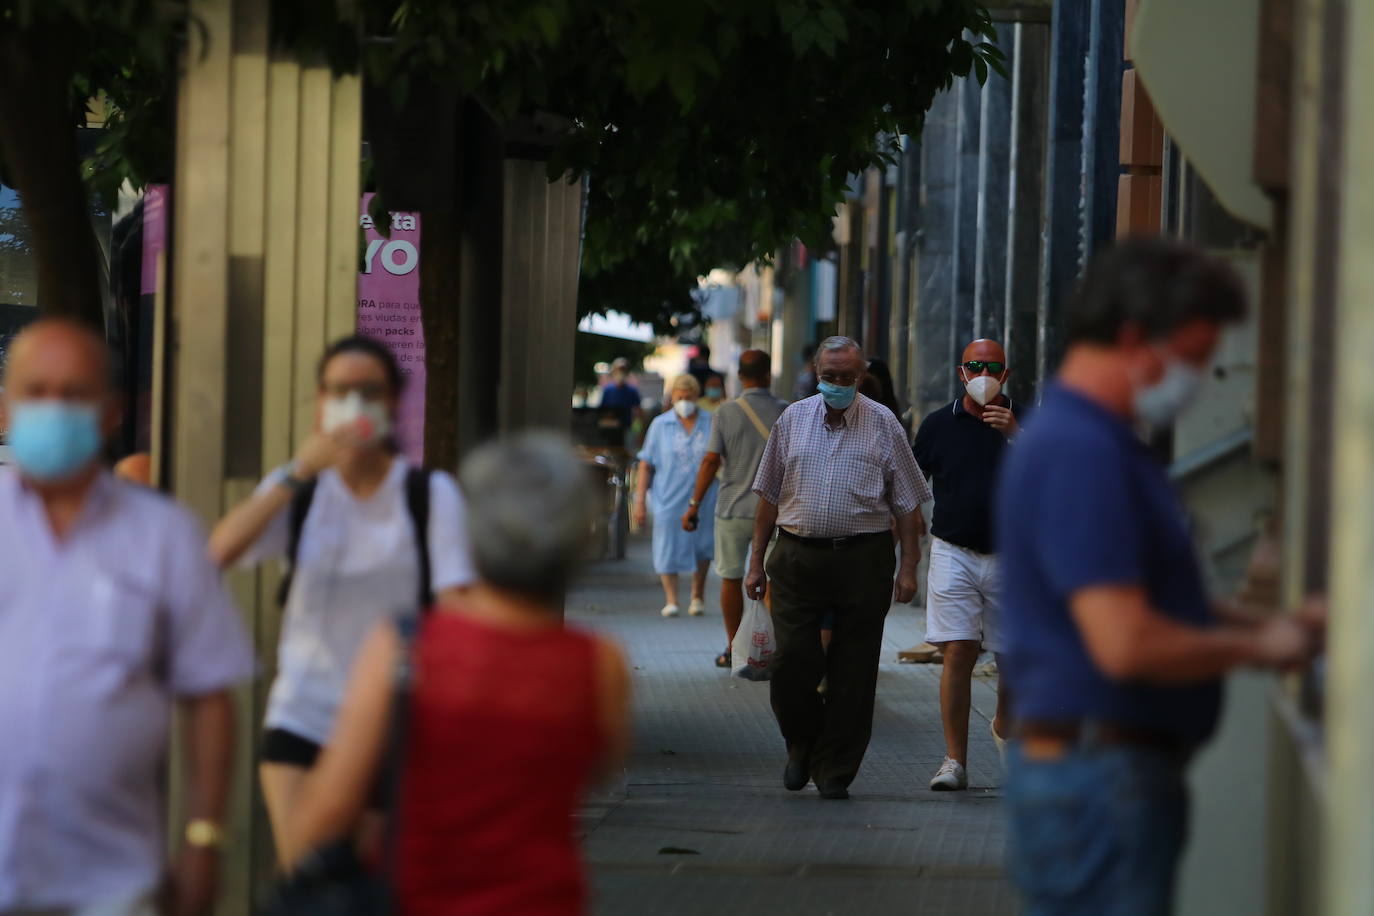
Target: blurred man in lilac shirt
<point x="111" y="616"/>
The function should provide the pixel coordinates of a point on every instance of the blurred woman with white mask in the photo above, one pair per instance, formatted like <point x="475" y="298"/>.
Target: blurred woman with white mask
<point x="364" y="535"/>
<point x="672" y="453"/>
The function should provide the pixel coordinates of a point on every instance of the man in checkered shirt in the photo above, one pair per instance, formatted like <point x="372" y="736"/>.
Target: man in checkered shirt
<point x="836" y="472"/>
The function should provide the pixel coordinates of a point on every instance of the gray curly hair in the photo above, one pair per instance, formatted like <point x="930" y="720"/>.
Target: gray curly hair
<point x="529" y="508"/>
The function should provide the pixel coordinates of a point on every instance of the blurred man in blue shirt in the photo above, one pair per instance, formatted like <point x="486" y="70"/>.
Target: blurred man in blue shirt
<point x="1114" y="651"/>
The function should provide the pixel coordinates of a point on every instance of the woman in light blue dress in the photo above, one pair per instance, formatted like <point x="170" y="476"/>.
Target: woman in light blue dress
<point x="672" y="453"/>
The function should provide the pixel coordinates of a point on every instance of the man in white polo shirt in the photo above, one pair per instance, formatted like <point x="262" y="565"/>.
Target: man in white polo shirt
<point x="111" y="616"/>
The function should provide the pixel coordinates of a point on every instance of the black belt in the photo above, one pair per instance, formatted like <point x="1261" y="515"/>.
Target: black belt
<point x="1072" y="734"/>
<point x="852" y="540"/>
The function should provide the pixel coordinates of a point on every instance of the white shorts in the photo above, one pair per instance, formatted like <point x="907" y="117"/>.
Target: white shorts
<point x="963" y="596"/>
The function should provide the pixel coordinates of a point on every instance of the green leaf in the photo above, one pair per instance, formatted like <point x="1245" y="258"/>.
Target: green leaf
<point x="833" y="22"/>
<point x="549" y="23"/>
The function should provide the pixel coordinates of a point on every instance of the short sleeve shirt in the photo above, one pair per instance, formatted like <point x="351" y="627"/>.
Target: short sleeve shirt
<point x="624" y="398"/>
<point x="1082" y="503"/>
<point x="841" y="480"/>
<point x="358" y="561"/>
<point x="740" y="445"/>
<point x="99" y="634"/>
<point x="962" y="454"/>
<point x="675" y="455"/>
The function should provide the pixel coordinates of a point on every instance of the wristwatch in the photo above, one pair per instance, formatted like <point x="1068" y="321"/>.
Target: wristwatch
<point x="203" y="833"/>
<point x="692" y="503"/>
<point x="290" y="479"/>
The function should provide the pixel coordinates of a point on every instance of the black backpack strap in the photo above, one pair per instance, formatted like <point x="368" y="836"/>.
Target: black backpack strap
<point x="298" y="509"/>
<point x="417" y="501"/>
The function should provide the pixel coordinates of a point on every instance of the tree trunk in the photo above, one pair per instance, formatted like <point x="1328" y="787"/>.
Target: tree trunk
<point x="460" y="296"/>
<point x="440" y="276"/>
<point x="38" y="147"/>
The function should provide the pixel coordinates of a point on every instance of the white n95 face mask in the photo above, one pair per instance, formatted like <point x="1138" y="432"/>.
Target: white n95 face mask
<point x="685" y="409"/>
<point x="349" y="409"/>
<point x="1161" y="403"/>
<point x="984" y="389"/>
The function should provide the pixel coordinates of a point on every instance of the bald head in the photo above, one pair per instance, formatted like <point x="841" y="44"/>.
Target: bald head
<point x="988" y="358"/>
<point x="57" y="359"/>
<point x="985" y="350"/>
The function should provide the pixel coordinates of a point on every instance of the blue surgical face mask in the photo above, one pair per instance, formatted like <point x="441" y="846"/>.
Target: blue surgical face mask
<point x="838" y="396"/>
<point x="715" y="394"/>
<point x="52" y="440"/>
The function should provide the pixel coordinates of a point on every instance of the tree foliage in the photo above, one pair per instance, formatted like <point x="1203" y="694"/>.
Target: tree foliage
<point x="713" y="131"/>
<point x="56" y="58"/>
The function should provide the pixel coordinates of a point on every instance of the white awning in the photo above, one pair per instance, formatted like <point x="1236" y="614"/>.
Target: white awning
<point x="615" y="324"/>
<point x="1199" y="61"/>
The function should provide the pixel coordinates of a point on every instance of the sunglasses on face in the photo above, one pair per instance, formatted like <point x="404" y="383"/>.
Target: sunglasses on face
<point x="976" y="366"/>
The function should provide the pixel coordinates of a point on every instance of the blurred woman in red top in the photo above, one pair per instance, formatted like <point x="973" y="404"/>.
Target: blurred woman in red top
<point x="512" y="716"/>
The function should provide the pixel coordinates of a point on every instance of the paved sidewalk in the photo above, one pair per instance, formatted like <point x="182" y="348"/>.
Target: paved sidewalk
<point x="701" y="823"/>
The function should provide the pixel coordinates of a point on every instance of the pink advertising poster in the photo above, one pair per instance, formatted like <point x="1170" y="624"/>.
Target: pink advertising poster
<point x="389" y="310"/>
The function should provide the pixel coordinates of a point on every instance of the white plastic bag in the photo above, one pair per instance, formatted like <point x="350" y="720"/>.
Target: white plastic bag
<point x="751" y="654"/>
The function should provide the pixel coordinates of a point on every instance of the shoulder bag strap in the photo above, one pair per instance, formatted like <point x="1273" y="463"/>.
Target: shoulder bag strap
<point x="417" y="502"/>
<point x="397" y="736"/>
<point x="764" y="431"/>
<point x="298" y="509"/>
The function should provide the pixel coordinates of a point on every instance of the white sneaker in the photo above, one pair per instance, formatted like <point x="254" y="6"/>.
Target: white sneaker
<point x="950" y="777"/>
<point x="697" y="607"/>
<point x="999" y="741"/>
<point x="670" y="610"/>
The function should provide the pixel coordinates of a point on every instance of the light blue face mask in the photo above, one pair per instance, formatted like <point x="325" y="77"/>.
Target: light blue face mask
<point x="51" y="440"/>
<point x="838" y="396"/>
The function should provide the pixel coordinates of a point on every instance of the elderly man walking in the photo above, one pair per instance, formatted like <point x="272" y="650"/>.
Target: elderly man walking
<point x="738" y="436"/>
<point x="960" y="446"/>
<point x="836" y="471"/>
<point x="111" y="615"/>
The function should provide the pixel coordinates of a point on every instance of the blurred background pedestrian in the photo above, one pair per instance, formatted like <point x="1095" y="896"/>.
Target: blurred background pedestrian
<point x="878" y="386"/>
<point x="673" y="450"/>
<point x="805" y="384"/>
<point x="511" y="715"/>
<point x="713" y="392"/>
<point x="621" y="396"/>
<point x="364" y="535"/>
<point x="739" y="433"/>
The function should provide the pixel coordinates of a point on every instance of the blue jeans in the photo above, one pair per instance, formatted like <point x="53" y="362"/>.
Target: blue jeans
<point x="1098" y="831"/>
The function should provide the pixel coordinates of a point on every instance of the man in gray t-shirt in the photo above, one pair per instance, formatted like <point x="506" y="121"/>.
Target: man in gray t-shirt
<point x="738" y="437"/>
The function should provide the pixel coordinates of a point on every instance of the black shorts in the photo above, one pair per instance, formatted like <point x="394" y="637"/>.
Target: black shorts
<point x="282" y="746"/>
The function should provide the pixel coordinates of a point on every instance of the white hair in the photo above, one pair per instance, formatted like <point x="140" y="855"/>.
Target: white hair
<point x="838" y="343"/>
<point x="529" y="509"/>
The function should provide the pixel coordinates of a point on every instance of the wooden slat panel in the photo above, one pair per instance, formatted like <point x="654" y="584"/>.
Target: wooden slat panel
<point x="1274" y="96"/>
<point x="345" y="185"/>
<point x="247" y="238"/>
<point x="312" y="237"/>
<point x="200" y="264"/>
<point x="1348" y="840"/>
<point x="279" y="290"/>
